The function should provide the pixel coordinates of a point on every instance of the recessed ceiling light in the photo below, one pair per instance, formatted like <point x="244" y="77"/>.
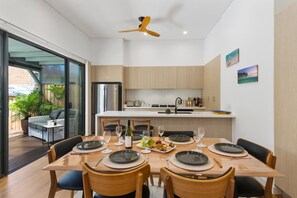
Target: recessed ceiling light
<point x="185" y="32"/>
<point x="145" y="34"/>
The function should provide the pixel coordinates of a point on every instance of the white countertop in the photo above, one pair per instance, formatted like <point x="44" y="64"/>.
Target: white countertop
<point x="142" y="114"/>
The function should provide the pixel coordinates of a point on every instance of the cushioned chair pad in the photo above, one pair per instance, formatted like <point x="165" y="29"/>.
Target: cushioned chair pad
<point x="142" y="127"/>
<point x="168" y="133"/>
<point x="248" y="187"/>
<point x="71" y="180"/>
<point x="145" y="194"/>
<point x="112" y="127"/>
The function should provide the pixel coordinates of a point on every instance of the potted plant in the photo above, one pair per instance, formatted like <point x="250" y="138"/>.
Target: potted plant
<point x="25" y="106"/>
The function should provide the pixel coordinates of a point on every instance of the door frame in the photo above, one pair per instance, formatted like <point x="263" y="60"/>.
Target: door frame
<point x="4" y="36"/>
<point x="4" y="105"/>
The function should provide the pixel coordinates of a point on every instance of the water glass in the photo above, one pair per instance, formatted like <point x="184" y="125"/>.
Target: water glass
<point x="118" y="131"/>
<point x="201" y="133"/>
<point x="197" y="139"/>
<point x="146" y="138"/>
<point x="106" y="137"/>
<point x="161" y="130"/>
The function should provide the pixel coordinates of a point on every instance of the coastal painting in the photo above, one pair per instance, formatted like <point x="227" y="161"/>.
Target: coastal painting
<point x="232" y="58"/>
<point x="248" y="75"/>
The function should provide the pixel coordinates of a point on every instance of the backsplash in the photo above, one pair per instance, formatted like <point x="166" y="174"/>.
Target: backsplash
<point x="161" y="96"/>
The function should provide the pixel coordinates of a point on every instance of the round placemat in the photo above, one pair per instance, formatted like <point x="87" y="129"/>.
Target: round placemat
<point x="204" y="167"/>
<point x="110" y="164"/>
<point x="76" y="150"/>
<point x="212" y="149"/>
<point x="189" y="142"/>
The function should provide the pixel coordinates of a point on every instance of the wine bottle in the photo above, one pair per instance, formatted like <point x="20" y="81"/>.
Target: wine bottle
<point x="128" y="137"/>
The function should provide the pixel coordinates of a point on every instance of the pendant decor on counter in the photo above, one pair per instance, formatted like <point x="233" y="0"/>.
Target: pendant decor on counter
<point x="232" y="58"/>
<point x="247" y="75"/>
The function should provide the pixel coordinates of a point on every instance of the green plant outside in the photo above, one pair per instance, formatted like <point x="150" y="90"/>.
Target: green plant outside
<point x="32" y="104"/>
<point x="58" y="91"/>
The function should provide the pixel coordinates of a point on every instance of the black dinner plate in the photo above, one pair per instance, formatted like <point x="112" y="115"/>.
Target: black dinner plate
<point x="228" y="148"/>
<point x="191" y="158"/>
<point x="124" y="156"/>
<point x="88" y="145"/>
<point x="135" y="137"/>
<point x="179" y="138"/>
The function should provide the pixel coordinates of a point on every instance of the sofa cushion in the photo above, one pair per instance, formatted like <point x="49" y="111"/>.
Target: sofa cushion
<point x="55" y="114"/>
<point x="61" y="115"/>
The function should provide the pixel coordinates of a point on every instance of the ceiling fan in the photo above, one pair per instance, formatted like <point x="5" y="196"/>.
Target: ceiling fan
<point x="142" y="27"/>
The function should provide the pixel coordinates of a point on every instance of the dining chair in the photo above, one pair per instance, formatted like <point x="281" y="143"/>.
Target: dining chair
<point x="180" y="186"/>
<point x="122" y="185"/>
<point x="110" y="125"/>
<point x="188" y="133"/>
<point x="248" y="186"/>
<point x="71" y="180"/>
<point x="142" y="125"/>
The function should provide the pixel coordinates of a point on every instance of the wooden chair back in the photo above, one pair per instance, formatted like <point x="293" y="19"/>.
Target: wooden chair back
<point x="147" y="122"/>
<point x="105" y="122"/>
<point x="184" y="187"/>
<point x="114" y="184"/>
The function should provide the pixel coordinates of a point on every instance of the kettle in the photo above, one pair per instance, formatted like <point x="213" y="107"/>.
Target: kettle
<point x="137" y="103"/>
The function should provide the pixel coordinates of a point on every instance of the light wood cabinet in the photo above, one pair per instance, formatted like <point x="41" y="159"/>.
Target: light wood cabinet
<point x="107" y="73"/>
<point x="183" y="77"/>
<point x="144" y="77"/>
<point x="131" y="77"/>
<point x="212" y="87"/>
<point x="157" y="77"/>
<point x="170" y="77"/>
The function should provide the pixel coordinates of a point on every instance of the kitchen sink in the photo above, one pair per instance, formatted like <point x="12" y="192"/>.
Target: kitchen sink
<point x="179" y="112"/>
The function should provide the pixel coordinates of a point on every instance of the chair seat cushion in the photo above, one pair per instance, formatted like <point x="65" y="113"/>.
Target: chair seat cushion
<point x="248" y="187"/>
<point x="142" y="127"/>
<point x="145" y="194"/>
<point x="112" y="127"/>
<point x="71" y="180"/>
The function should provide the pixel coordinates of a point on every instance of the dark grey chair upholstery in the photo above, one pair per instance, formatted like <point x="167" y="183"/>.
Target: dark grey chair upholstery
<point x="168" y="133"/>
<point x="249" y="186"/>
<point x="71" y="180"/>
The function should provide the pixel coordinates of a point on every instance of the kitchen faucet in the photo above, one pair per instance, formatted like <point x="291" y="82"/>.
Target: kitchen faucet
<point x="179" y="101"/>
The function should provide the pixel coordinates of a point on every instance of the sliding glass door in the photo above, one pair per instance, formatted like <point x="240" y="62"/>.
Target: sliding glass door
<point x="76" y="99"/>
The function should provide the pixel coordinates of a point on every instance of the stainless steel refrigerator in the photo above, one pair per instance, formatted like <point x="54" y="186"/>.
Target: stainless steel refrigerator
<point x="105" y="97"/>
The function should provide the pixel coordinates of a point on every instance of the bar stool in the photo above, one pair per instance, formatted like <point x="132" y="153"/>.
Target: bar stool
<point x="144" y="125"/>
<point x="110" y="125"/>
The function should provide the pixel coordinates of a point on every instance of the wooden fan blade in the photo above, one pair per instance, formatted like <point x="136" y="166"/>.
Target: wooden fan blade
<point x="153" y="33"/>
<point x="134" y="30"/>
<point x="145" y="22"/>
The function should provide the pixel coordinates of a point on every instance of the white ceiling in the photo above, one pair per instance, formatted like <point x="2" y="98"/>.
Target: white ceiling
<point x="103" y="18"/>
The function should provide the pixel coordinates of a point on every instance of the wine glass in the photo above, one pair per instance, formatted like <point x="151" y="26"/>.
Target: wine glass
<point x="146" y="139"/>
<point x="201" y="133"/>
<point x="106" y="137"/>
<point x="118" y="131"/>
<point x="197" y="139"/>
<point x="161" y="130"/>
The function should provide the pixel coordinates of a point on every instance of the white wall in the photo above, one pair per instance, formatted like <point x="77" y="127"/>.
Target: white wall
<point x="49" y="28"/>
<point x="249" y="26"/>
<point x="107" y="51"/>
<point x="163" y="53"/>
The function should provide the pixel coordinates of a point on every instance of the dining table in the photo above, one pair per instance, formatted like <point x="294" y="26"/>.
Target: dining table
<point x="244" y="166"/>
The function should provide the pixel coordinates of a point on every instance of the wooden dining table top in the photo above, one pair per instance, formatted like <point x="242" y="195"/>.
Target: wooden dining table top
<point x="244" y="166"/>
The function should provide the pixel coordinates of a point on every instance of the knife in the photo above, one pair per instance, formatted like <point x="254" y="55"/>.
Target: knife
<point x="218" y="163"/>
<point x="98" y="162"/>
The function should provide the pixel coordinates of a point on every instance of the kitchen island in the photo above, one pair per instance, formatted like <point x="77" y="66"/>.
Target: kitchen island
<point x="216" y="125"/>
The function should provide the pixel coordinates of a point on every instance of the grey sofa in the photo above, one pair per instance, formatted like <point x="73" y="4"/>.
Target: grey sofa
<point x="36" y="126"/>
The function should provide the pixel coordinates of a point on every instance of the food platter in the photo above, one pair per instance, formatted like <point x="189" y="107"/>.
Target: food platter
<point x="158" y="146"/>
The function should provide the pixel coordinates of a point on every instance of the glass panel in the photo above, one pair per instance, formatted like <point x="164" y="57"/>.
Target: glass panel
<point x="1" y="108"/>
<point x="75" y="99"/>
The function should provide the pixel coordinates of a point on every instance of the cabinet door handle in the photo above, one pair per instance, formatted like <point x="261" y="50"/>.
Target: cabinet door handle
<point x="213" y="98"/>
